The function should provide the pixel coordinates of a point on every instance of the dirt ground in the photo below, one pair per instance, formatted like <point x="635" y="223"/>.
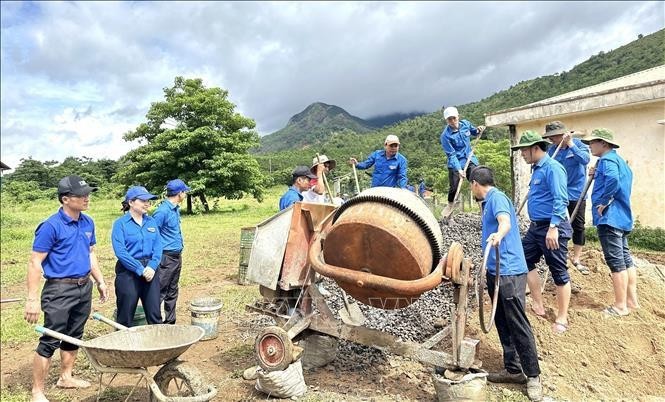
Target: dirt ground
<point x="596" y="359"/>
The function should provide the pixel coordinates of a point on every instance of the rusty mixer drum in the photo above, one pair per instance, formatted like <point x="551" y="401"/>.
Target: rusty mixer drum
<point x="389" y="233"/>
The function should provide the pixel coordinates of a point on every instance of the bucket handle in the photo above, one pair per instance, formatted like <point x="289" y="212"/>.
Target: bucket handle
<point x="371" y="281"/>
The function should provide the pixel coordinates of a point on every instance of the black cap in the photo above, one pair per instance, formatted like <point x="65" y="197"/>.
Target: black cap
<point x="74" y="185"/>
<point x="303" y="171"/>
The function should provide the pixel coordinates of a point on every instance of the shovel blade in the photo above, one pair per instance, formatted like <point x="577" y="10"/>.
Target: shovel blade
<point x="352" y="315"/>
<point x="446" y="214"/>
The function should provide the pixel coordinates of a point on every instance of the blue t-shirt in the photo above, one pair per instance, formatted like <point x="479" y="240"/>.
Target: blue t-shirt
<point x="388" y="172"/>
<point x="457" y="144"/>
<point x="67" y="243"/>
<point x="511" y="253"/>
<point x="133" y="242"/>
<point x="167" y="216"/>
<point x="548" y="195"/>
<point x="575" y="160"/>
<point x="289" y="198"/>
<point x="612" y="187"/>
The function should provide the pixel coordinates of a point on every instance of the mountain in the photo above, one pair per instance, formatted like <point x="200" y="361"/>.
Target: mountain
<point x="312" y="126"/>
<point x="420" y="135"/>
<point x="389" y="119"/>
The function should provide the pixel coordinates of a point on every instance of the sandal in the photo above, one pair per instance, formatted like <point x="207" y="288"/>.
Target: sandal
<point x="559" y="327"/>
<point x="583" y="270"/>
<point x="612" y="312"/>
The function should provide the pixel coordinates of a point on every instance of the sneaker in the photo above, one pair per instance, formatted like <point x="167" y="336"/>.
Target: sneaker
<point x="534" y="389"/>
<point x="504" y="377"/>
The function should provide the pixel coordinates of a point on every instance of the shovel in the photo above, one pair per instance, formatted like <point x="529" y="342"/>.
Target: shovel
<point x="351" y="313"/>
<point x="448" y="210"/>
<point x="355" y="176"/>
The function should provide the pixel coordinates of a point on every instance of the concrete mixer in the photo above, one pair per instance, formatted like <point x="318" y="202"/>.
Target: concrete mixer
<point x="383" y="247"/>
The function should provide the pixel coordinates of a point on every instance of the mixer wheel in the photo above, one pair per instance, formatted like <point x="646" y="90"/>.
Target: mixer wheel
<point x="454" y="261"/>
<point x="274" y="349"/>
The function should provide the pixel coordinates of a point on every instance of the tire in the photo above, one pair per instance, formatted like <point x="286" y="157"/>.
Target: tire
<point x="274" y="349"/>
<point x="179" y="379"/>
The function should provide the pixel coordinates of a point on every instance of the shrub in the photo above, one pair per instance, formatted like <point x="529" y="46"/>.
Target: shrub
<point x="641" y="237"/>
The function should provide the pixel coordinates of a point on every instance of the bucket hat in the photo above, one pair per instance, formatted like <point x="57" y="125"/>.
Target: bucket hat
<point x="554" y="128"/>
<point x="528" y="139"/>
<point x="324" y="159"/>
<point x="601" y="134"/>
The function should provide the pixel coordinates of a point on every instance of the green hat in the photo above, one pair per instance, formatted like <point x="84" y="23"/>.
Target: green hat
<point x="554" y="128"/>
<point x="529" y="138"/>
<point x="601" y="134"/>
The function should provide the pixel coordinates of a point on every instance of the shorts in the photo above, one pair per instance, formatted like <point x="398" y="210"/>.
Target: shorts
<point x="66" y="308"/>
<point x="614" y="243"/>
<point x="534" y="247"/>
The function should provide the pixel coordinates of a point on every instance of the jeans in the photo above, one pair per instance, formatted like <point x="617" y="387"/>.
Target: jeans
<point x="614" y="243"/>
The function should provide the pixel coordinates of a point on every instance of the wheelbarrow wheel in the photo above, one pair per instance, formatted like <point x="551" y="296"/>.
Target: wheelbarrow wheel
<point x="179" y="379"/>
<point x="274" y="349"/>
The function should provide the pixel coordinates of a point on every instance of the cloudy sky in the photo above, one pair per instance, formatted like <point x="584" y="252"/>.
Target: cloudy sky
<point x="76" y="76"/>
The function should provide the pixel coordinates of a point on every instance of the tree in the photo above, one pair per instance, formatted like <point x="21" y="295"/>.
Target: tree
<point x="194" y="134"/>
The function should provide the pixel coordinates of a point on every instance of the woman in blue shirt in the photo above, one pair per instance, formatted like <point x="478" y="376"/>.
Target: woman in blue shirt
<point x="138" y="247"/>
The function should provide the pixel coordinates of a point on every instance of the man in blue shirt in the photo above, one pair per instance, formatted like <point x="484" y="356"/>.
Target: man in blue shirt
<point x="574" y="156"/>
<point x="610" y="200"/>
<point x="422" y="188"/>
<point x="456" y="143"/>
<point x="500" y="228"/>
<point x="300" y="181"/>
<point x="167" y="216"/>
<point x="389" y="165"/>
<point x="549" y="230"/>
<point x="64" y="249"/>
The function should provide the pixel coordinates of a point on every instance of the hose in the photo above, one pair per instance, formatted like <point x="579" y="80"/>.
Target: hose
<point x="481" y="276"/>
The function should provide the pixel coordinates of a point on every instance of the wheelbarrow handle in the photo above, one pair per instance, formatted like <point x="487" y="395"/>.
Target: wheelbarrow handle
<point x="58" y="335"/>
<point x="108" y="321"/>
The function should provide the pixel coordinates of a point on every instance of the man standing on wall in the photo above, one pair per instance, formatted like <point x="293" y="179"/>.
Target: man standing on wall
<point x="167" y="216"/>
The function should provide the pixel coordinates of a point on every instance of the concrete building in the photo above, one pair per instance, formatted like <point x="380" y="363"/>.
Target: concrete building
<point x="633" y="107"/>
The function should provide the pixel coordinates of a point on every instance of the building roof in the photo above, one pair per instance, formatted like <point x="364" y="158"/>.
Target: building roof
<point x="643" y="86"/>
<point x="3" y="166"/>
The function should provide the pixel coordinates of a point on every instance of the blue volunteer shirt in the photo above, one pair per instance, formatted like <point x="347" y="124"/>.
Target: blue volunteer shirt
<point x="133" y="242"/>
<point x="67" y="242"/>
<point x="457" y="144"/>
<point x="511" y="253"/>
<point x="388" y="172"/>
<point x="167" y="216"/>
<point x="548" y="196"/>
<point x="289" y="198"/>
<point x="575" y="160"/>
<point x="612" y="186"/>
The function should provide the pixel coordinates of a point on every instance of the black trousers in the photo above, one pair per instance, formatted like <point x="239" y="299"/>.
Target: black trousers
<point x="517" y="341"/>
<point x="578" y="222"/>
<point x="129" y="288"/>
<point x="453" y="180"/>
<point x="169" y="276"/>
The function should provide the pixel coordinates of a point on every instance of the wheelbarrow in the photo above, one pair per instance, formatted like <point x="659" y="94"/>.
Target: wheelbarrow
<point x="133" y="350"/>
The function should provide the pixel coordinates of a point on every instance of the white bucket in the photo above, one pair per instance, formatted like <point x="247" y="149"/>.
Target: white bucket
<point x="205" y="314"/>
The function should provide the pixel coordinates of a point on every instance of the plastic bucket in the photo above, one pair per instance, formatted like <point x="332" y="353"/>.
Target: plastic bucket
<point x="205" y="314"/>
<point x="139" y="316"/>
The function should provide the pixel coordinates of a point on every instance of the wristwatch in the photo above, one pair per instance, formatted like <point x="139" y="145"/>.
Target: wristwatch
<point x="553" y="225"/>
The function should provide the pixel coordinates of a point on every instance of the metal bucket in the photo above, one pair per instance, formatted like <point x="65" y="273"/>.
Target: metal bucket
<point x="388" y="233"/>
<point x="205" y="314"/>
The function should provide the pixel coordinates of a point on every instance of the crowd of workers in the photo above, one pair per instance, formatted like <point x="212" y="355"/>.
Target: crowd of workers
<point x="149" y="248"/>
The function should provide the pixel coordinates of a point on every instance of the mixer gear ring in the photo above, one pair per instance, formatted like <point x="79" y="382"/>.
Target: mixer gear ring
<point x="274" y="349"/>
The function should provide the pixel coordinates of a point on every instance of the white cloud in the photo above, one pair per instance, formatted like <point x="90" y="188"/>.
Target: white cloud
<point x="112" y="59"/>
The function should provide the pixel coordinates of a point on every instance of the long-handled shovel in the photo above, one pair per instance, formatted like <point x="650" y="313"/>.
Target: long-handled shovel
<point x="586" y="189"/>
<point x="448" y="210"/>
<point x="355" y="176"/>
<point x="351" y="313"/>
